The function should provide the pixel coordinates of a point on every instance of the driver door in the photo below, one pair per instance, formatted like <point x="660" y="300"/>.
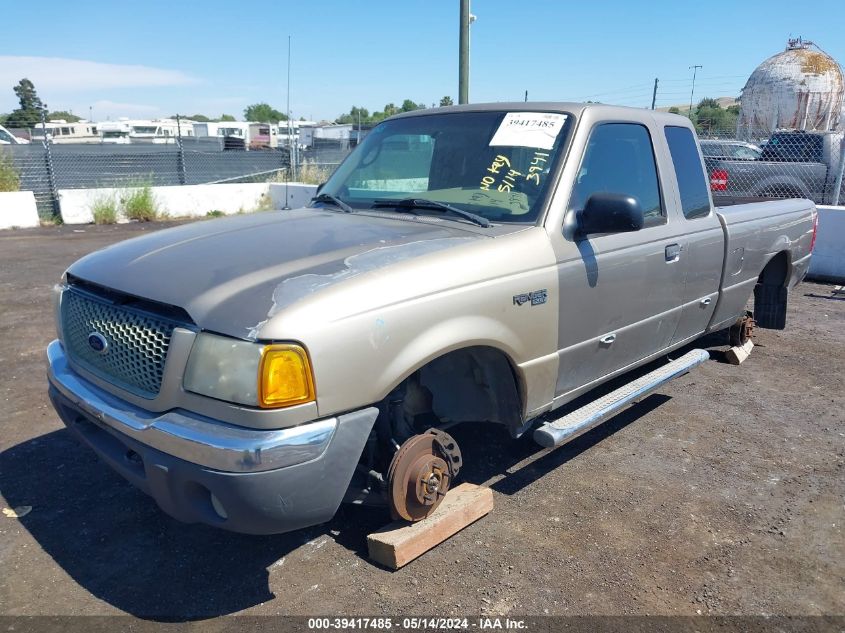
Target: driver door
<point x="620" y="294"/>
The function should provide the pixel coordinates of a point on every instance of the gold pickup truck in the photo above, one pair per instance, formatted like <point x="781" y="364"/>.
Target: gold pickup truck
<point x="482" y="264"/>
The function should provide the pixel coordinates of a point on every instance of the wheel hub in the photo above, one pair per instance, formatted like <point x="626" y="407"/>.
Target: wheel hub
<point x="421" y="473"/>
<point x="741" y="331"/>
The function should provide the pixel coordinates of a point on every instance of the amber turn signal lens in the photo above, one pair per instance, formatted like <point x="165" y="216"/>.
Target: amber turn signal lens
<point x="285" y="377"/>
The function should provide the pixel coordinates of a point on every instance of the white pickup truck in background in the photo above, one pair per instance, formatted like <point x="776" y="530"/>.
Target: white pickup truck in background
<point x="7" y="138"/>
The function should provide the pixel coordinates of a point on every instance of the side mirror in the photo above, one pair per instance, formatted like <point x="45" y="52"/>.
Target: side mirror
<point x="610" y="213"/>
<point x="320" y="188"/>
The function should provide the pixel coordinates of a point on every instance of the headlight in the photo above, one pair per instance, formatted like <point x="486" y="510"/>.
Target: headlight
<point x="268" y="376"/>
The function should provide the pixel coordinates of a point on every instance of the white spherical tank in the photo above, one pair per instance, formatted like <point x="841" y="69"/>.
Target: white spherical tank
<point x="798" y="89"/>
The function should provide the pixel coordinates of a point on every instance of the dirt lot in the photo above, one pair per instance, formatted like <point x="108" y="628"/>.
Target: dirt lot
<point x="720" y="494"/>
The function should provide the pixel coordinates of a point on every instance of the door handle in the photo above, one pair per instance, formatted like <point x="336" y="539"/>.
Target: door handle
<point x="705" y="302"/>
<point x="607" y="340"/>
<point x="673" y="253"/>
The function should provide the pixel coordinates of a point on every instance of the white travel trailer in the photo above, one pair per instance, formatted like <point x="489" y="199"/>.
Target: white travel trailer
<point x="290" y="131"/>
<point x="159" y="130"/>
<point x="60" y="131"/>
<point x="240" y="134"/>
<point x="263" y="135"/>
<point x="114" y="132"/>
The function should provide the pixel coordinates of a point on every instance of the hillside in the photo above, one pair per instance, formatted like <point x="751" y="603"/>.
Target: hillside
<point x="724" y="102"/>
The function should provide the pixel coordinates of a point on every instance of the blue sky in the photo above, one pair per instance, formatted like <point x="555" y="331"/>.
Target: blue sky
<point x="156" y="58"/>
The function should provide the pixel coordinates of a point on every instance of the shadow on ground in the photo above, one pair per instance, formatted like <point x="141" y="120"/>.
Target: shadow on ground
<point x="116" y="543"/>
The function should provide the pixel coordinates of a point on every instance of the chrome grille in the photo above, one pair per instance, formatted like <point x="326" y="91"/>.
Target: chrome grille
<point x="136" y="341"/>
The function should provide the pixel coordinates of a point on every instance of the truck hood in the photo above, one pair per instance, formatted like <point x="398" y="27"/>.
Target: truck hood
<point x="231" y="275"/>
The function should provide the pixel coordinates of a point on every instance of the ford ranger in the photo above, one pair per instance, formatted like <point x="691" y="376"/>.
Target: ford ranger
<point x="480" y="264"/>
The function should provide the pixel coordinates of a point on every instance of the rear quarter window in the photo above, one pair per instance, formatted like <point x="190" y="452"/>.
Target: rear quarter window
<point x="695" y="199"/>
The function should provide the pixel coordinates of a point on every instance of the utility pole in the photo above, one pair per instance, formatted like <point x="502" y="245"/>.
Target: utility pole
<point x="526" y="96"/>
<point x="463" y="53"/>
<point x="654" y="94"/>
<point x="692" y="92"/>
<point x="288" y="101"/>
<point x="290" y="152"/>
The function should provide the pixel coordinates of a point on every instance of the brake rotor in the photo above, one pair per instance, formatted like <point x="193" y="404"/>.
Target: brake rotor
<point x="420" y="474"/>
<point x="741" y="331"/>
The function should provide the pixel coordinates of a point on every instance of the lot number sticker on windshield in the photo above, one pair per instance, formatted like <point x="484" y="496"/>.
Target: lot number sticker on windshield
<point x="529" y="129"/>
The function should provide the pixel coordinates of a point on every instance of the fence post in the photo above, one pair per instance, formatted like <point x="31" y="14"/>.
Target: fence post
<point x="837" y="188"/>
<point x="51" y="175"/>
<point x="181" y="155"/>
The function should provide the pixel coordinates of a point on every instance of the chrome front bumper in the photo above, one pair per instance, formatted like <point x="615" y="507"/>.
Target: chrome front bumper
<point x="194" y="438"/>
<point x="202" y="470"/>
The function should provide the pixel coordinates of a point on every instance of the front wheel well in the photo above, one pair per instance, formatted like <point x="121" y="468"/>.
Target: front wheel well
<point x="471" y="384"/>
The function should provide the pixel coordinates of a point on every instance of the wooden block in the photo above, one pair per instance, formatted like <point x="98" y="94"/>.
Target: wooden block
<point x="400" y="542"/>
<point x="736" y="355"/>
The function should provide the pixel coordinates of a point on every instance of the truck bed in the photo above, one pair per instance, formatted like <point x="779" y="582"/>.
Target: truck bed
<point x="756" y="233"/>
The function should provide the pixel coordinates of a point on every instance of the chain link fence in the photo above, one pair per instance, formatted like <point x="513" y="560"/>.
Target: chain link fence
<point x="45" y="167"/>
<point x="741" y="167"/>
<point x="752" y="165"/>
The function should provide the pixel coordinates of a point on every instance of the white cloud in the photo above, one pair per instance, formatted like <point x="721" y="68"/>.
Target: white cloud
<point x="71" y="75"/>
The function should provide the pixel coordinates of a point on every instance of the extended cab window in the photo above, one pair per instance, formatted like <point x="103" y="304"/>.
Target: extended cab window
<point x="695" y="200"/>
<point x="620" y="159"/>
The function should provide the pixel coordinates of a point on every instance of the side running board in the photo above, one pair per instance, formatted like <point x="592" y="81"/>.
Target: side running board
<point x="556" y="432"/>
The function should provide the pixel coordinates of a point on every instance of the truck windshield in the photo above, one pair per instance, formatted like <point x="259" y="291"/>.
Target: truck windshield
<point x="494" y="164"/>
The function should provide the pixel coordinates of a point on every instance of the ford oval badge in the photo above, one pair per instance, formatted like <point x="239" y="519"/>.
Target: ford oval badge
<point x="98" y="342"/>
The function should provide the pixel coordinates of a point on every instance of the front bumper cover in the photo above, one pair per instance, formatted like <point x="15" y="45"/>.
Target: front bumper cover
<point x="201" y="470"/>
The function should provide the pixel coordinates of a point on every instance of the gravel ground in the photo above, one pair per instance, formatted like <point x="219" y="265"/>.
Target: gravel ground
<point x="720" y="494"/>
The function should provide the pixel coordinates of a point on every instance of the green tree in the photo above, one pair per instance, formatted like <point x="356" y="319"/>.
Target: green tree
<point x="263" y="113"/>
<point x="29" y="114"/>
<point x="446" y="101"/>
<point x="674" y="110"/>
<point x="353" y="114"/>
<point x="64" y="115"/>
<point x="199" y="118"/>
<point x="409" y="106"/>
<point x="227" y="117"/>
<point x="711" y="118"/>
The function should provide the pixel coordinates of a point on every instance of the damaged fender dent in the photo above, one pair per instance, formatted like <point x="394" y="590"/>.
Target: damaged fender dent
<point x="292" y="289"/>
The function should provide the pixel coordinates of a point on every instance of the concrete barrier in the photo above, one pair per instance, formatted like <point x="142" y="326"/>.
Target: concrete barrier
<point x="18" y="210"/>
<point x="176" y="201"/>
<point x="293" y="194"/>
<point x="828" y="262"/>
<point x="193" y="200"/>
